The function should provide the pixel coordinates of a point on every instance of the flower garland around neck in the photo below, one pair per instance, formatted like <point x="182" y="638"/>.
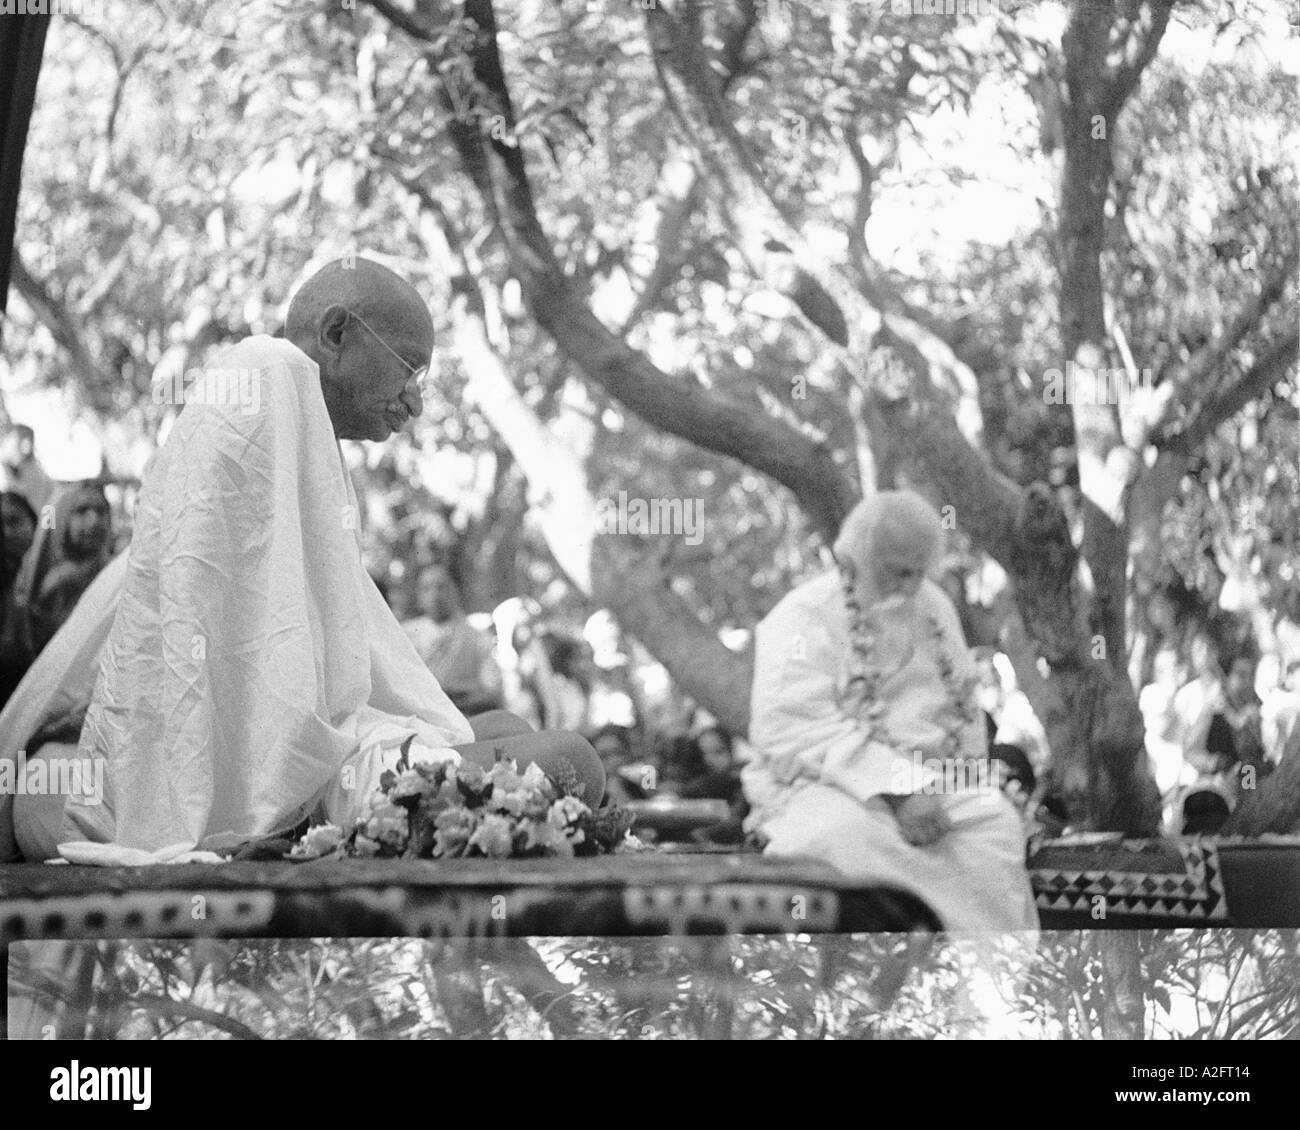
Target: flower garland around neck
<point x="863" y="690"/>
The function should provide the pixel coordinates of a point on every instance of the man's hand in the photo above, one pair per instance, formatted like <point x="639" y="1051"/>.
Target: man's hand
<point x="922" y="818"/>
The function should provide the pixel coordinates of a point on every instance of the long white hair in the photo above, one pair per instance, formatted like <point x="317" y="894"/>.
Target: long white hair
<point x="898" y="524"/>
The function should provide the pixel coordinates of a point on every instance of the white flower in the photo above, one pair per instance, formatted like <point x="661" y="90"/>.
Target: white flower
<point x="504" y="776"/>
<point x="455" y="827"/>
<point x="541" y="834"/>
<point x="389" y="824"/>
<point x="410" y="783"/>
<point x="567" y="810"/>
<point x="534" y="777"/>
<point x="630" y="843"/>
<point x="494" y="837"/>
<point x="320" y="840"/>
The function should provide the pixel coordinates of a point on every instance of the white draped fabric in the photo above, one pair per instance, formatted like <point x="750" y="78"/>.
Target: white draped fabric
<point x="60" y="681"/>
<point x="817" y="774"/>
<point x="251" y="658"/>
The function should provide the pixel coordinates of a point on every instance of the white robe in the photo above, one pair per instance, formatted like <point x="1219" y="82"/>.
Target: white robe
<point x="253" y="672"/>
<point x="815" y="771"/>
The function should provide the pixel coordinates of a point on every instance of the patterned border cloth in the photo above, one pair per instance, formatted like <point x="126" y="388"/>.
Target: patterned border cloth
<point x="1177" y="879"/>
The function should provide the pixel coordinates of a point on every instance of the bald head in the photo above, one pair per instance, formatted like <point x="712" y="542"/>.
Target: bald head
<point x="892" y="540"/>
<point x="368" y="330"/>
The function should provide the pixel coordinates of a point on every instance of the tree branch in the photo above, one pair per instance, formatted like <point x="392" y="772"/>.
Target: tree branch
<point x="688" y="410"/>
<point x="415" y="27"/>
<point x="770" y="241"/>
<point x="64" y="326"/>
<point x="1253" y="383"/>
<point x="1206" y="365"/>
<point x="682" y="203"/>
<point x="1141" y="41"/>
<point x="165" y="1006"/>
<point x="675" y="214"/>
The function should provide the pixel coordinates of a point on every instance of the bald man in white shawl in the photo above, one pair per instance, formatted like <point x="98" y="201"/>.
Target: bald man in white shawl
<point x="252" y="675"/>
<point x="869" y="744"/>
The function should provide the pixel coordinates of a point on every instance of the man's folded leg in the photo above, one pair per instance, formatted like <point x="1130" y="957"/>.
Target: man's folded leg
<point x="498" y="724"/>
<point x="512" y="739"/>
<point x="503" y="735"/>
<point x="38" y="817"/>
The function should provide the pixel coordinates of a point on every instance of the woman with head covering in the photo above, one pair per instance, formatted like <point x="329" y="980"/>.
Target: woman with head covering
<point x="69" y="553"/>
<point x="17" y="530"/>
<point x="870" y="750"/>
<point x="18" y="526"/>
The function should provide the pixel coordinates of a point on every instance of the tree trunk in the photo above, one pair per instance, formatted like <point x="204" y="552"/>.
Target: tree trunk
<point x="1100" y="767"/>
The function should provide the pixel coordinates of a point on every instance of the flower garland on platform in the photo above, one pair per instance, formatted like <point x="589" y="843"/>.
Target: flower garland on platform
<point x="444" y="810"/>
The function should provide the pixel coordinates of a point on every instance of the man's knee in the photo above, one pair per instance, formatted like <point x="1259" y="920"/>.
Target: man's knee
<point x="551" y="750"/>
<point x="989" y="815"/>
<point x="38" y="815"/>
<point x="497" y="724"/>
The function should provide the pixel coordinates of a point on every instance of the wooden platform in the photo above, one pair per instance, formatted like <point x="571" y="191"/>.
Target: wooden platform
<point x="614" y="896"/>
<point x="1122" y="885"/>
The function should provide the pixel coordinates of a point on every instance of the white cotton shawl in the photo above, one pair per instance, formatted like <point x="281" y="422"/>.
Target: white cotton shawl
<point x="251" y="657"/>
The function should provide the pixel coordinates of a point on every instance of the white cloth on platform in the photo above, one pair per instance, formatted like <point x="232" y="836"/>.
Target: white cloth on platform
<point x="90" y="854"/>
<point x="816" y="777"/>
<point x="253" y="673"/>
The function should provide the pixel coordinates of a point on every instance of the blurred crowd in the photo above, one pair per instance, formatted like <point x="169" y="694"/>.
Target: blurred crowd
<point x="54" y="540"/>
<point x="1215" y="728"/>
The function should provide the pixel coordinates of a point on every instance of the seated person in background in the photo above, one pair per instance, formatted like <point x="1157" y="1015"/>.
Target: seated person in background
<point x="624" y="779"/>
<point x="1014" y="720"/>
<point x="20" y="471"/>
<point x="250" y="675"/>
<point x="460" y="656"/>
<point x="1205" y="810"/>
<point x="1196" y="702"/>
<point x="681" y="760"/>
<point x="1230" y="759"/>
<point x="69" y="552"/>
<point x="1156" y="702"/>
<point x="1279" y="704"/>
<point x="17" y="531"/>
<point x="564" y="677"/>
<point x="720" y="779"/>
<point x="857" y="671"/>
<point x="1194" y="706"/>
<point x="1242" y="726"/>
<point x="1016" y="774"/>
<point x="18" y="520"/>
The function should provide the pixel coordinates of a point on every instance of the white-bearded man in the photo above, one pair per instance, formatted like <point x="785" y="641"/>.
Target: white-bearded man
<point x="863" y="711"/>
<point x="246" y="672"/>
